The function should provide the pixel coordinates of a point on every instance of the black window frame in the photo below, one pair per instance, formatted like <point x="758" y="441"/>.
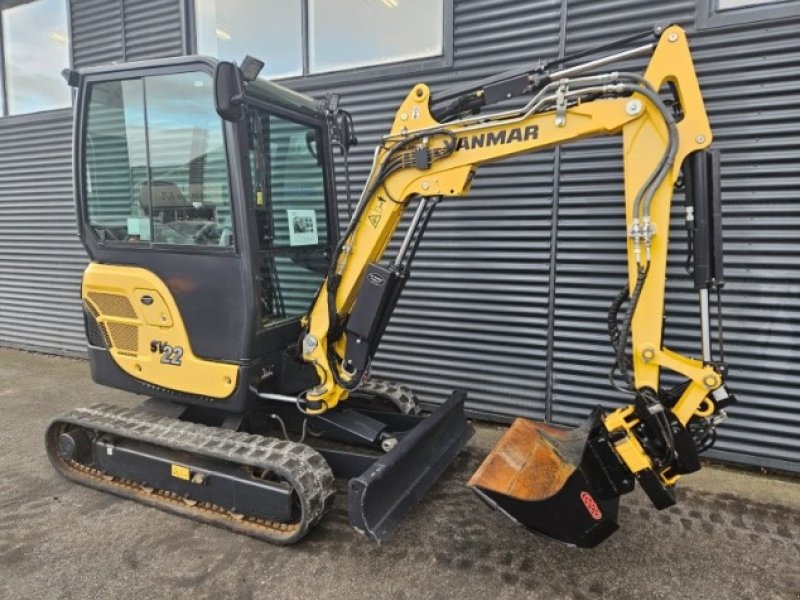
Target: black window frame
<point x="367" y="72"/>
<point x="331" y="223"/>
<point x="708" y="15"/>
<point x="80" y="156"/>
<point x="6" y="4"/>
<point x="329" y="185"/>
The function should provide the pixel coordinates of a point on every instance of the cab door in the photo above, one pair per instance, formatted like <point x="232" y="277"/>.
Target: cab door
<point x="293" y="203"/>
<point x="154" y="190"/>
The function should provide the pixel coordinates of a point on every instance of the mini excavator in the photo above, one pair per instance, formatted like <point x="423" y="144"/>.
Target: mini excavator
<point x="220" y="288"/>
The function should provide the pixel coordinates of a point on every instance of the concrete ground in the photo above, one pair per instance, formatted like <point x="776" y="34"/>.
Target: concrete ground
<point x="733" y="533"/>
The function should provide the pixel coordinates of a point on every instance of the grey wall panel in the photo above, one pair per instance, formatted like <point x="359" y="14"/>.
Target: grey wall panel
<point x="40" y="256"/>
<point x="106" y="31"/>
<point x="756" y="116"/>
<point x="152" y="29"/>
<point x="751" y="84"/>
<point x="474" y="313"/>
<point x="96" y="32"/>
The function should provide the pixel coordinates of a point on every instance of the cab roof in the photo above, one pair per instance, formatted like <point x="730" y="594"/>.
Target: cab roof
<point x="261" y="89"/>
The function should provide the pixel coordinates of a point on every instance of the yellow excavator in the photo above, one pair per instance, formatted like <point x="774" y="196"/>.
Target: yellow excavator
<point x="220" y="288"/>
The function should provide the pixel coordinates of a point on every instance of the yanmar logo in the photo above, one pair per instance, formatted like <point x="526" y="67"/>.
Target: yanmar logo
<point x="375" y="279"/>
<point x="495" y="138"/>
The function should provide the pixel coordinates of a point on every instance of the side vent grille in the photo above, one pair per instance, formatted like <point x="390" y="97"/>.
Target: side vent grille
<point x="106" y="336"/>
<point x="124" y="337"/>
<point x="103" y="310"/>
<point x="112" y="305"/>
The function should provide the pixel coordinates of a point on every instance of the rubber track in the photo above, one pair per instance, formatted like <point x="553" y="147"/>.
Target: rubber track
<point x="301" y="466"/>
<point x="402" y="397"/>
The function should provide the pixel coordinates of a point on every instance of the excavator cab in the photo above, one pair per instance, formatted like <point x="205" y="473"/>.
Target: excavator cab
<point x="236" y="219"/>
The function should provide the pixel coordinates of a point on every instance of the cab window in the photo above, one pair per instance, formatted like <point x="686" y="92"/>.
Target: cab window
<point x="155" y="164"/>
<point x="291" y="209"/>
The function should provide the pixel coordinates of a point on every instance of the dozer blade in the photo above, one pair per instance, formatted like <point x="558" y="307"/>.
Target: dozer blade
<point x="553" y="481"/>
<point x="381" y="496"/>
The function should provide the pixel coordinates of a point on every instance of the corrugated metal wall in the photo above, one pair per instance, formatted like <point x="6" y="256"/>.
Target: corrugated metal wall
<point x="96" y="32"/>
<point x="41" y="258"/>
<point x="477" y="310"/>
<point x="152" y="28"/>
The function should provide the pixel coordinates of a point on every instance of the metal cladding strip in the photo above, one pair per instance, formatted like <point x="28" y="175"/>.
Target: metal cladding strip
<point x="152" y="29"/>
<point x="300" y="465"/>
<point x="96" y="32"/>
<point x="41" y="259"/>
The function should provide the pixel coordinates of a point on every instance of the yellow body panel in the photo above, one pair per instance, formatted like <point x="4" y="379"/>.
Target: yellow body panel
<point x="145" y="334"/>
<point x="451" y="177"/>
<point x="671" y="62"/>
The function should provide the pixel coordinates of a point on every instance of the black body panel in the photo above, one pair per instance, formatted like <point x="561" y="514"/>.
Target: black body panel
<point x="369" y="318"/>
<point x="208" y="480"/>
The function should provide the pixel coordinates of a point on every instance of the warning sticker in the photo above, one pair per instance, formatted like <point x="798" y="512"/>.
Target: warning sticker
<point x="374" y="219"/>
<point x="180" y="472"/>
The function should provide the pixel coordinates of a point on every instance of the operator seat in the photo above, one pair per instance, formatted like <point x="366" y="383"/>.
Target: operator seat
<point x="164" y="198"/>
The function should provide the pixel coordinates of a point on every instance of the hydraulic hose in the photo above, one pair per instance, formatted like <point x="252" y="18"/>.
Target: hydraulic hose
<point x="387" y="166"/>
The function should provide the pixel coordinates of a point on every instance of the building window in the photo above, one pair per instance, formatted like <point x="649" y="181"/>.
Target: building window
<point x="352" y="33"/>
<point x="270" y="29"/>
<point x="35" y="49"/>
<point x="731" y="4"/>
<point x="720" y="13"/>
<point x="308" y="37"/>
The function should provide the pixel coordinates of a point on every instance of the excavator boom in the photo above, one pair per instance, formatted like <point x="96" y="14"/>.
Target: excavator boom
<point x="654" y="439"/>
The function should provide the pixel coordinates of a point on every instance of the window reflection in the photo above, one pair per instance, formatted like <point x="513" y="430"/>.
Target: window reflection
<point x="268" y="29"/>
<point x="157" y="175"/>
<point x="354" y="33"/>
<point x="35" y="50"/>
<point x="727" y="4"/>
<point x="341" y="34"/>
<point x="291" y="213"/>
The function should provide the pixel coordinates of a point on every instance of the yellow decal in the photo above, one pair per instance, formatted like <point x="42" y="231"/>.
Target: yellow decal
<point x="180" y="472"/>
